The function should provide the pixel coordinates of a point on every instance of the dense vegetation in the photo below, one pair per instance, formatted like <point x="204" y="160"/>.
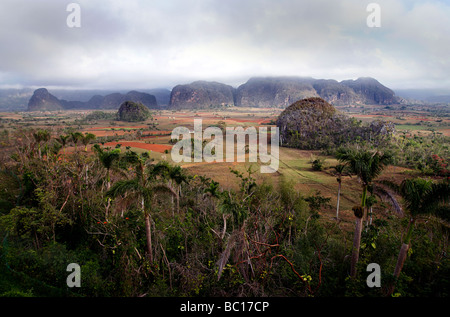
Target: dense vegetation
<point x="138" y="227"/>
<point x="314" y="124"/>
<point x="133" y="112"/>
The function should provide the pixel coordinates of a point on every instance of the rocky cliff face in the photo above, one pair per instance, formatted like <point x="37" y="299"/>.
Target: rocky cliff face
<point x="114" y="100"/>
<point x="371" y="91"/>
<point x="256" y="92"/>
<point x="201" y="94"/>
<point x="42" y="100"/>
<point x="274" y="91"/>
<point x="336" y="93"/>
<point x="281" y="92"/>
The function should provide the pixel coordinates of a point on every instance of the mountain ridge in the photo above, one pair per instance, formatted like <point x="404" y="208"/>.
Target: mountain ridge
<point x="43" y="100"/>
<point x="281" y="92"/>
<point x="275" y="91"/>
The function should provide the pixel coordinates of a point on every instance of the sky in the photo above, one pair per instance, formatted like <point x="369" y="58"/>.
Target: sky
<point x="144" y="44"/>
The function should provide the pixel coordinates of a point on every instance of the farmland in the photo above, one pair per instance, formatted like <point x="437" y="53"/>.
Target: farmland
<point x="273" y="216"/>
<point x="154" y="135"/>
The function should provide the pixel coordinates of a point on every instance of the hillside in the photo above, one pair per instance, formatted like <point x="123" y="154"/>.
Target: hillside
<point x="274" y="91"/>
<point x="314" y="124"/>
<point x="280" y="92"/>
<point x="201" y="94"/>
<point x="371" y="91"/>
<point x="133" y="112"/>
<point x="42" y="100"/>
<point x="277" y="92"/>
<point x="283" y="91"/>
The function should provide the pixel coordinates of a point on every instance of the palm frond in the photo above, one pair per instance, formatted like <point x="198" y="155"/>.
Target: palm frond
<point x="388" y="195"/>
<point x="122" y="187"/>
<point x="225" y="255"/>
<point x="163" y="189"/>
<point x="437" y="195"/>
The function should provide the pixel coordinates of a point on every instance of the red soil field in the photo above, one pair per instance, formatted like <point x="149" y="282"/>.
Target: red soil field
<point x="108" y="133"/>
<point x="261" y="121"/>
<point x="114" y="127"/>
<point x="101" y="133"/>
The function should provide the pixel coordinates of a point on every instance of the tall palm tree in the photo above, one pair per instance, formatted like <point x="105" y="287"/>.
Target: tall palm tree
<point x="339" y="172"/>
<point x="367" y="165"/>
<point x="107" y="159"/>
<point x="144" y="187"/>
<point x="370" y="202"/>
<point x="420" y="198"/>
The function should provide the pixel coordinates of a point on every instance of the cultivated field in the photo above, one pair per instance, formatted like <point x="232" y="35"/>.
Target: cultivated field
<point x="154" y="135"/>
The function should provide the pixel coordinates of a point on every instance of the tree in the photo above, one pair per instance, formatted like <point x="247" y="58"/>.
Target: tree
<point x="420" y="198"/>
<point x="367" y="165"/>
<point x="63" y="141"/>
<point x="339" y="172"/>
<point x="76" y="137"/>
<point x="86" y="139"/>
<point x="107" y="159"/>
<point x="144" y="187"/>
<point x="370" y="202"/>
<point x="41" y="136"/>
<point x="173" y="175"/>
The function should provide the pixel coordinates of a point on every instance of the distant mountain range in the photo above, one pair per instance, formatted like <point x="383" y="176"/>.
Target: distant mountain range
<point x="256" y="92"/>
<point x="43" y="100"/>
<point x="281" y="92"/>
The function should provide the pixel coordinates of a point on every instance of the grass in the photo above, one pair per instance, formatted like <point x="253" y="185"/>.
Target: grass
<point x="412" y="127"/>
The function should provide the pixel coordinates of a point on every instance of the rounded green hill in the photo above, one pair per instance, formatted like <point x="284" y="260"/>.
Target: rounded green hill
<point x="133" y="112"/>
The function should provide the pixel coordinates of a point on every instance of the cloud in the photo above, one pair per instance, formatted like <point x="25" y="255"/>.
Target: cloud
<point x="144" y="44"/>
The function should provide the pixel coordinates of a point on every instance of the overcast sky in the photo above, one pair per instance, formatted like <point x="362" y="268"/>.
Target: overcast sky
<point x="140" y="44"/>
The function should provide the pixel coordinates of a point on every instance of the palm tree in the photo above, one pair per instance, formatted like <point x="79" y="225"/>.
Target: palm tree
<point x="76" y="137"/>
<point x="213" y="189"/>
<point x="63" y="141"/>
<point x="339" y="172"/>
<point x="41" y="136"/>
<point x="107" y="159"/>
<point x="143" y="187"/>
<point x="173" y="175"/>
<point x="370" y="202"/>
<point x="420" y="198"/>
<point x="86" y="139"/>
<point x="367" y="165"/>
